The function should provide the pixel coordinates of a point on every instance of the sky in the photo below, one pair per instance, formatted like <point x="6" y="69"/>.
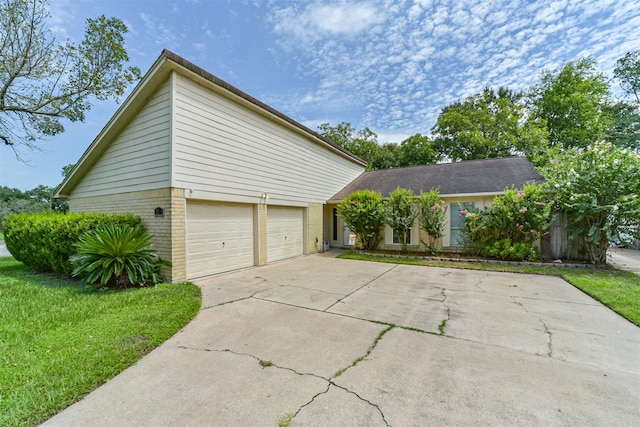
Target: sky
<point x="389" y="65"/>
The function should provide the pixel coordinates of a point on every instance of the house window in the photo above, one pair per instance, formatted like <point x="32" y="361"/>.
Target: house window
<point x="335" y="224"/>
<point x="457" y="222"/>
<point x="397" y="237"/>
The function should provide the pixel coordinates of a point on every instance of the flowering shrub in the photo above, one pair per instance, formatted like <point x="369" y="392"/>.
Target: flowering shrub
<point x="433" y="214"/>
<point x="510" y="228"/>
<point x="363" y="212"/>
<point x="401" y="212"/>
<point x="599" y="189"/>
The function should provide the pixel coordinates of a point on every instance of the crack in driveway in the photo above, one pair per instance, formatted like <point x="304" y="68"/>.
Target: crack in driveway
<point x="330" y="381"/>
<point x="547" y="331"/>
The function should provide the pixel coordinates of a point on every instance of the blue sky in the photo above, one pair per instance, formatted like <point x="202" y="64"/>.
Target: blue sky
<point x="387" y="65"/>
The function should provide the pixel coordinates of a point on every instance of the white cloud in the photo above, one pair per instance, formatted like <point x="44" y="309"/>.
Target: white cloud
<point x="398" y="63"/>
<point x="320" y="20"/>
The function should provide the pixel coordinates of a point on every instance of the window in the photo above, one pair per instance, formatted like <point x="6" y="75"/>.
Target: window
<point x="397" y="237"/>
<point x="457" y="222"/>
<point x="335" y="224"/>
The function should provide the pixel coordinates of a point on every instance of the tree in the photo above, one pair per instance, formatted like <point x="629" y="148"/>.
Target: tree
<point x="628" y="73"/>
<point x="624" y="130"/>
<point x="363" y="212"/>
<point x="599" y="188"/>
<point x="401" y="212"/>
<point x="487" y="125"/>
<point x="43" y="82"/>
<point x="417" y="150"/>
<point x="433" y="215"/>
<point x="572" y="102"/>
<point x="363" y="143"/>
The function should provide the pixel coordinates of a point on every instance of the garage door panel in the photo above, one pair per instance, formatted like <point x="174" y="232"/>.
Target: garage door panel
<point x="285" y="231"/>
<point x="219" y="238"/>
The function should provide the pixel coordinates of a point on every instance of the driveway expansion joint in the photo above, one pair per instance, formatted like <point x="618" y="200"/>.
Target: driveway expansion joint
<point x="365" y="284"/>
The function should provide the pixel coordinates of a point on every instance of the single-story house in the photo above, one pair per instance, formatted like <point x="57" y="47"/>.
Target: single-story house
<point x="462" y="185"/>
<point x="223" y="181"/>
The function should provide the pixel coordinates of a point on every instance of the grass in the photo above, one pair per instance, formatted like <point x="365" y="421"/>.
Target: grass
<point x="60" y="341"/>
<point x="1" y="237"/>
<point x="618" y="290"/>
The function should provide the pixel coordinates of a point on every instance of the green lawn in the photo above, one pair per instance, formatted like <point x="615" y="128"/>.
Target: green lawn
<point x="618" y="290"/>
<point x="59" y="341"/>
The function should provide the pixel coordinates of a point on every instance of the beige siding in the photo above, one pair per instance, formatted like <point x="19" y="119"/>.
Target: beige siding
<point x="227" y="151"/>
<point x="139" y="158"/>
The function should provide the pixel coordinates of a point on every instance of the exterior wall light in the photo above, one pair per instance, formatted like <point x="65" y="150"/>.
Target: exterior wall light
<point x="158" y="211"/>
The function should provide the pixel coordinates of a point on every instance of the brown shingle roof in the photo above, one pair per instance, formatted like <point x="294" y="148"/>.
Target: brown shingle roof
<point x="470" y="177"/>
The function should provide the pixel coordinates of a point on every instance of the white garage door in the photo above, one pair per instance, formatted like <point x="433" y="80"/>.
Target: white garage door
<point x="284" y="233"/>
<point x="219" y="238"/>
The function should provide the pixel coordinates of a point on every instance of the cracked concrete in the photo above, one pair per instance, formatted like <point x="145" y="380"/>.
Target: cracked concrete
<point x="348" y="343"/>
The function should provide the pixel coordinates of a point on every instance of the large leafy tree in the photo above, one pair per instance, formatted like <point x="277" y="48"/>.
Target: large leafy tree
<point x="627" y="72"/>
<point x="490" y="124"/>
<point x="573" y="103"/>
<point x="624" y="130"/>
<point x="43" y="81"/>
<point x="417" y="150"/>
<point x="362" y="143"/>
<point x="599" y="188"/>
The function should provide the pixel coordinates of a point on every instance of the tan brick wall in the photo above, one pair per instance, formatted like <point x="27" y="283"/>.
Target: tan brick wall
<point x="314" y="228"/>
<point x="168" y="231"/>
<point x="260" y="230"/>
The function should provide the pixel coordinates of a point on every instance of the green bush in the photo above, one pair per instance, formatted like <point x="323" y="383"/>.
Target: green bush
<point x="45" y="241"/>
<point x="363" y="212"/>
<point x="117" y="256"/>
<point x="511" y="228"/>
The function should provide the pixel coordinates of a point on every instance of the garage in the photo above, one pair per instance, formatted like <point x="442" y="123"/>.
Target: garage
<point x="285" y="232"/>
<point x="219" y="238"/>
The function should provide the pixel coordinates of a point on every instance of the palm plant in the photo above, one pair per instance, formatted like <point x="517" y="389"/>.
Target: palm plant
<point x="117" y="256"/>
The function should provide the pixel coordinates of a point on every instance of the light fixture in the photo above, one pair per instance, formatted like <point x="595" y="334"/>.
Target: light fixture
<point x="265" y="196"/>
<point x="158" y="211"/>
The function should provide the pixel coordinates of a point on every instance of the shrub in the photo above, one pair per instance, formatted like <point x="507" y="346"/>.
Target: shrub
<point x="433" y="214"/>
<point x="117" y="256"/>
<point x="509" y="229"/>
<point x="363" y="212"/>
<point x="401" y="212"/>
<point x="45" y="241"/>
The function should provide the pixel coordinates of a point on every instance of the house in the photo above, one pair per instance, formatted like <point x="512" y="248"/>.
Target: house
<point x="463" y="185"/>
<point x="221" y="180"/>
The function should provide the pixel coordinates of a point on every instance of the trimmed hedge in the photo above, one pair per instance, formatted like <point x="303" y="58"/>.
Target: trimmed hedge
<point x="45" y="241"/>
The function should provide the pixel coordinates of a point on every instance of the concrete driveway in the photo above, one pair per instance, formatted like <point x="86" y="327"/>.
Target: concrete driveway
<point x="351" y="343"/>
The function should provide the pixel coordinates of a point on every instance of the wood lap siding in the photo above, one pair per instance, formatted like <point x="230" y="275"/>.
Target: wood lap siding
<point x="224" y="149"/>
<point x="139" y="158"/>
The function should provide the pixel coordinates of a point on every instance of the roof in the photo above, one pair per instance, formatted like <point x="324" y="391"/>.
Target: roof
<point x="474" y="177"/>
<point x="167" y="63"/>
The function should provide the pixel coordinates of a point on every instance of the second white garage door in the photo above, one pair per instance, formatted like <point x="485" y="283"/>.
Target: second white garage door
<point x="285" y="233"/>
<point x="219" y="238"/>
